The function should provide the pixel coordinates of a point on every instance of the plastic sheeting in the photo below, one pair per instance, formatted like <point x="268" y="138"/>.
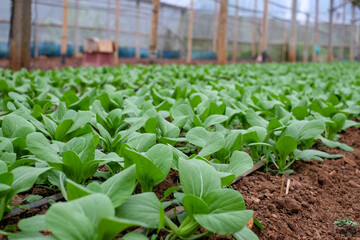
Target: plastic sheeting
<point x="97" y="19"/>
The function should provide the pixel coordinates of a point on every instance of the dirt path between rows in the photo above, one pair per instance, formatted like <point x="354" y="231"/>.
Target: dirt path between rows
<point x="319" y="192"/>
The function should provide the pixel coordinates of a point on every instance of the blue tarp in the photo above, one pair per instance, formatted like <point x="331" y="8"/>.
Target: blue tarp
<point x="50" y="49"/>
<point x="4" y="50"/>
<point x="203" y="55"/>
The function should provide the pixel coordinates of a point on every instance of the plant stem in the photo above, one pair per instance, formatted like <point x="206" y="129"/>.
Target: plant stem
<point x="2" y="207"/>
<point x="171" y="225"/>
<point x="188" y="227"/>
<point x="146" y="187"/>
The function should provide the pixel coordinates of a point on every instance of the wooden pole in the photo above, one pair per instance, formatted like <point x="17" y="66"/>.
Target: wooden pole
<point x="190" y="32"/>
<point x="181" y="34"/>
<point x="253" y="42"/>
<point x="215" y="25"/>
<point x="20" y="34"/>
<point x="108" y="20"/>
<point x="236" y="31"/>
<point x="352" y="49"/>
<point x="292" y="40"/>
<point x="265" y="31"/>
<point x="283" y="50"/>
<point x="76" y="40"/>
<point x="316" y="33"/>
<point x="306" y="45"/>
<point x="154" y="30"/>
<point x="343" y="33"/>
<point x="261" y="34"/>
<point x="36" y="37"/>
<point x="330" y="47"/>
<point x="116" y="39"/>
<point x="137" y="40"/>
<point x="222" y="53"/>
<point x="64" y="31"/>
<point x="358" y="47"/>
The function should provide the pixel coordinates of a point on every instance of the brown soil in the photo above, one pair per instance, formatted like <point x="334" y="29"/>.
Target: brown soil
<point x="49" y="63"/>
<point x="319" y="193"/>
<point x="172" y="180"/>
<point x="19" y="200"/>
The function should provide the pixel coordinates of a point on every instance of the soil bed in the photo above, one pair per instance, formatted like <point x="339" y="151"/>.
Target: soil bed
<point x="51" y="63"/>
<point x="319" y="192"/>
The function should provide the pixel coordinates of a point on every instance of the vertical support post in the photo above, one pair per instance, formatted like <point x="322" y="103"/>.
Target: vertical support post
<point x="292" y="40"/>
<point x="261" y="34"/>
<point x="236" y="31"/>
<point x="352" y="49"/>
<point x="154" y="30"/>
<point x="190" y="32"/>
<point x="316" y="33"/>
<point x="222" y="53"/>
<point x="306" y="45"/>
<point x="20" y="34"/>
<point x="330" y="45"/>
<point x="76" y="38"/>
<point x="64" y="31"/>
<point x="116" y="40"/>
<point x="265" y="31"/>
<point x="253" y="41"/>
<point x="108" y="19"/>
<point x="137" y="40"/>
<point x="283" y="50"/>
<point x="358" y="46"/>
<point x="215" y="26"/>
<point x="36" y="35"/>
<point x="343" y="34"/>
<point x="181" y="34"/>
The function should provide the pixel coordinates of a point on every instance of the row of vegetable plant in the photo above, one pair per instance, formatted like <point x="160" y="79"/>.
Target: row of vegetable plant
<point x="208" y="123"/>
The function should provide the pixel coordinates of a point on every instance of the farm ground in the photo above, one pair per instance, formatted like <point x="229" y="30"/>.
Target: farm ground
<point x="319" y="192"/>
<point x="49" y="63"/>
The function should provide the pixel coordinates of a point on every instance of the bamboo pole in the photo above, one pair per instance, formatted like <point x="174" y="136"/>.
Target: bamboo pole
<point x="253" y="41"/>
<point x="64" y="31"/>
<point x="137" y="39"/>
<point x="330" y="47"/>
<point x="215" y="26"/>
<point x="292" y="40"/>
<point x="236" y="31"/>
<point x="261" y="34"/>
<point x="108" y="20"/>
<point x="20" y="34"/>
<point x="76" y="35"/>
<point x="265" y="31"/>
<point x="358" y="47"/>
<point x="352" y="49"/>
<point x="116" y="37"/>
<point x="154" y="30"/>
<point x="343" y="33"/>
<point x="283" y="50"/>
<point x="316" y="33"/>
<point x="190" y="32"/>
<point x="306" y="45"/>
<point x="222" y="53"/>
<point x="182" y="33"/>
<point x="36" y="37"/>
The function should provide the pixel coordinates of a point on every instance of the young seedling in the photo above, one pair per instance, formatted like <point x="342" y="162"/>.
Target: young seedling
<point x="344" y="222"/>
